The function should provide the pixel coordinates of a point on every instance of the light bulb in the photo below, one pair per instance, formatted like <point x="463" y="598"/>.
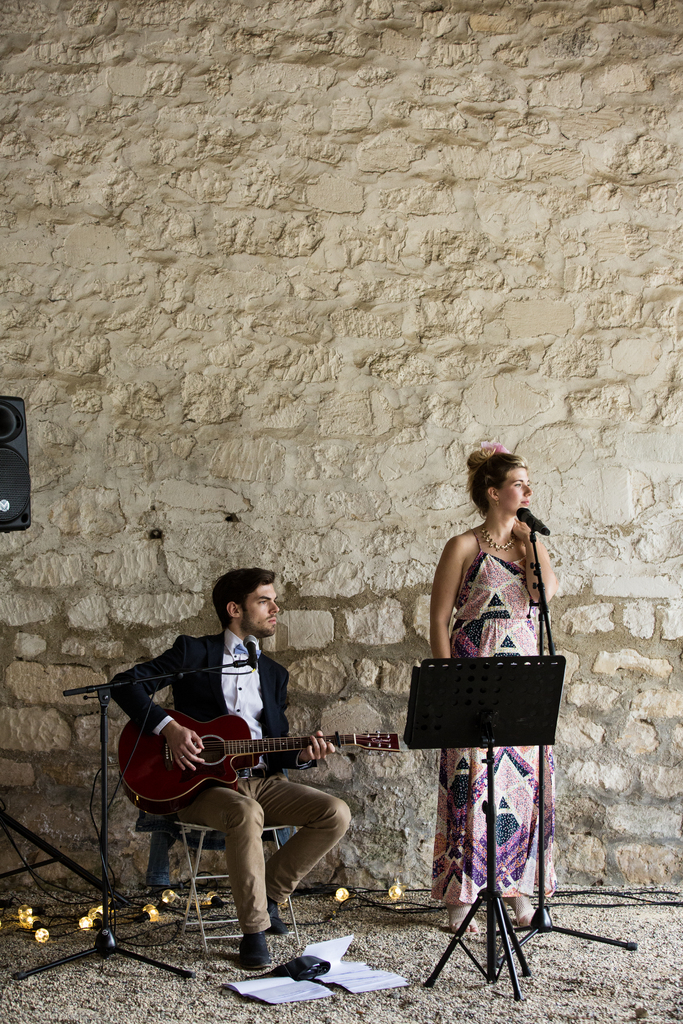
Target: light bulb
<point x="85" y="922"/>
<point x="151" y="912"/>
<point x="169" y="896"/>
<point x="31" y="920"/>
<point x="397" y="889"/>
<point x="95" y="912"/>
<point x="24" y="911"/>
<point x="42" y="935"/>
<point x="341" y="895"/>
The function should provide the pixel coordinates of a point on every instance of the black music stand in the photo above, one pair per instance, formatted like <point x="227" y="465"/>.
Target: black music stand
<point x="482" y="702"/>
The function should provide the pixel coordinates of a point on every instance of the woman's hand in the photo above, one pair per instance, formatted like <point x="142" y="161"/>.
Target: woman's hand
<point x="521" y="532"/>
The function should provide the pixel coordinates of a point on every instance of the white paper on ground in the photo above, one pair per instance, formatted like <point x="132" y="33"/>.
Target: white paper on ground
<point x="279" y="990"/>
<point x="354" y="977"/>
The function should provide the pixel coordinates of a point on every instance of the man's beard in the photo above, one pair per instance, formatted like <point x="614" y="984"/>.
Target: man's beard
<point x="259" y="631"/>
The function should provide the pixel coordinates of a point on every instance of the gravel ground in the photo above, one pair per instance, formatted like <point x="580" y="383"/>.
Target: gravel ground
<point x="572" y="979"/>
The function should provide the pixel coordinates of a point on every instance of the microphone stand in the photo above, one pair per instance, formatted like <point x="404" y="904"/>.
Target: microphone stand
<point x="541" y="921"/>
<point x="105" y="941"/>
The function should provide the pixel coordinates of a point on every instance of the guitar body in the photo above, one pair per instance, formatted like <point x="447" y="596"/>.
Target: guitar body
<point x="154" y="783"/>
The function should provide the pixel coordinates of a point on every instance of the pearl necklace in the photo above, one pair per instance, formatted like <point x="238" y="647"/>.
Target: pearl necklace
<point x="491" y="542"/>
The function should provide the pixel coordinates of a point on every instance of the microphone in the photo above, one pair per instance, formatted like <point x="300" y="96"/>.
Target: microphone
<point x="534" y="524"/>
<point x="250" y="644"/>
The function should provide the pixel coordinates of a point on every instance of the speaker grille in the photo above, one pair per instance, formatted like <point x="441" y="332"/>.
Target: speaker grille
<point x="15" y="485"/>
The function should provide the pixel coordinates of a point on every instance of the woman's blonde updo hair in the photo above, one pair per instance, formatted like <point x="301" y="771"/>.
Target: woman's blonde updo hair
<point x="488" y="468"/>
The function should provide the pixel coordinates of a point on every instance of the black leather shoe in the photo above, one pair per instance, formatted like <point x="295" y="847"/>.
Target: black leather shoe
<point x="254" y="951"/>
<point x="277" y="925"/>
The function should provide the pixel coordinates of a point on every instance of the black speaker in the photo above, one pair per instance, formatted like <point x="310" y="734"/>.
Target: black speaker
<point x="15" y="482"/>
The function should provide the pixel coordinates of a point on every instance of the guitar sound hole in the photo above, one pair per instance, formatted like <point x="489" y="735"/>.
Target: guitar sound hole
<point x="214" y="750"/>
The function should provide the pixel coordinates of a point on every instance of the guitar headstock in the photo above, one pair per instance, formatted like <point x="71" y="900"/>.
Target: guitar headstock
<point x="379" y="741"/>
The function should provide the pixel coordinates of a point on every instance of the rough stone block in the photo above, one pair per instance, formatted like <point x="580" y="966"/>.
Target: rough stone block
<point x="88" y="510"/>
<point x="625" y="78"/>
<point x="672" y="620"/>
<point x="636" y="356"/>
<point x="308" y="629"/>
<point x="563" y="91"/>
<point x="34" y="683"/>
<point x="588" y="618"/>
<point x="380" y="623"/>
<point x="584" y="855"/>
<point x="395" y="678"/>
<point x="28" y="645"/>
<point x="638" y="738"/>
<point x="639" y="618"/>
<point x="367" y="672"/>
<point x="635" y="586"/>
<point x="73" y="646"/>
<point x="611" y="662"/>
<point x="318" y="674"/>
<point x="90" y="612"/>
<point x="157" y="609"/>
<point x="33" y="729"/>
<point x="389" y="151"/>
<point x="212" y="398"/>
<point x="355" y="715"/>
<point x="592" y="695"/>
<point x="51" y="570"/>
<point x="643" y="864"/>
<point x="17" y="610"/>
<point x="505" y="400"/>
<point x="260" y="460"/>
<point x="579" y="732"/>
<point x="421" y="616"/>
<point x="661" y="781"/>
<point x="93" y="245"/>
<point x="658" y="704"/>
<point x="538" y="316"/>
<point x="16" y="773"/>
<point x="600" y="776"/>
<point x="336" y="195"/>
<point x="644" y="820"/>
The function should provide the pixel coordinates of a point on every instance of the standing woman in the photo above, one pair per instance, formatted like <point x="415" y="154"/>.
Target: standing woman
<point x="486" y="576"/>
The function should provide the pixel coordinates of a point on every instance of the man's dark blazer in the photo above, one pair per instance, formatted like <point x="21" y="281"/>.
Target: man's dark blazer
<point x="200" y="694"/>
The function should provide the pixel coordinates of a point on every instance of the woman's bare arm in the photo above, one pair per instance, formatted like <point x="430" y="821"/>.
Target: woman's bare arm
<point x="455" y="559"/>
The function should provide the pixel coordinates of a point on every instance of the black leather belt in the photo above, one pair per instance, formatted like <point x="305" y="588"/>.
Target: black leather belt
<point x="251" y="773"/>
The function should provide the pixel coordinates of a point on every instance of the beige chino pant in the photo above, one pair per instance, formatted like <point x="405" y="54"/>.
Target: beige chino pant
<point x="321" y="820"/>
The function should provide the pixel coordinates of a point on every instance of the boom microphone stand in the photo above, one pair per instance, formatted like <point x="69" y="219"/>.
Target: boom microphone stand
<point x="105" y="941"/>
<point x="541" y="922"/>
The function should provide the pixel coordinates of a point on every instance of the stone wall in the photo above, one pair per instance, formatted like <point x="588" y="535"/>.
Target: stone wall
<point x="269" y="271"/>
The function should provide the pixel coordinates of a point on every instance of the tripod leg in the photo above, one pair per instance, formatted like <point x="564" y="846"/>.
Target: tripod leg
<point x="505" y="939"/>
<point x="596" y="938"/>
<point x="429" y="983"/>
<point x="183" y="972"/>
<point x="516" y="944"/>
<point x="20" y="975"/>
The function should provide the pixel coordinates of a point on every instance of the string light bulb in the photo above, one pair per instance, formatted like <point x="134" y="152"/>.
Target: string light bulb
<point x="151" y="911"/>
<point x="24" y="911"/>
<point x="397" y="889"/>
<point x="212" y="899"/>
<point x="85" y="922"/>
<point x="341" y="895"/>
<point x="42" y="935"/>
<point x="169" y="896"/>
<point x="95" y="912"/>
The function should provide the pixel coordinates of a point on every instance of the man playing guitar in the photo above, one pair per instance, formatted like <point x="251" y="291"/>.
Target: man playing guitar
<point x="244" y="600"/>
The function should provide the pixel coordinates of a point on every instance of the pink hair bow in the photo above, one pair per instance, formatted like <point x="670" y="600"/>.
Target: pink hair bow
<point x="495" y="447"/>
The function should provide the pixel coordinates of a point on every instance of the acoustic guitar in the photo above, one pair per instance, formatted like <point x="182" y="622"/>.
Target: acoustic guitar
<point x="153" y="781"/>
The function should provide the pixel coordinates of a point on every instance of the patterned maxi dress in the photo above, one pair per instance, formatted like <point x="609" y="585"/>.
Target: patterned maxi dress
<point x="493" y="618"/>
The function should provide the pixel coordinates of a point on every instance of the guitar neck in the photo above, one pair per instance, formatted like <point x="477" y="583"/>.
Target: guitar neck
<point x="271" y="745"/>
